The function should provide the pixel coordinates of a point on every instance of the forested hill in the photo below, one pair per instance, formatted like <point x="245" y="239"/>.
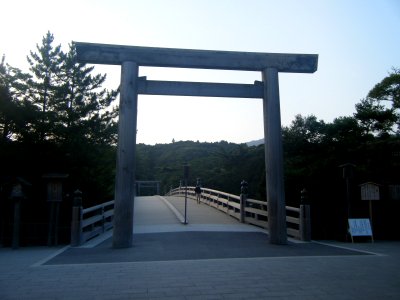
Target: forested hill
<point x="219" y="165"/>
<point x="313" y="153"/>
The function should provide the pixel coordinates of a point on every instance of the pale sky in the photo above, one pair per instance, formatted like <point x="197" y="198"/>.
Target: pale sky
<point x="358" y="42"/>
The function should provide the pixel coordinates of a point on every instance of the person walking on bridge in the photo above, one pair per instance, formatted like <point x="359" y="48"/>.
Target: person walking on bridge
<point x="197" y="190"/>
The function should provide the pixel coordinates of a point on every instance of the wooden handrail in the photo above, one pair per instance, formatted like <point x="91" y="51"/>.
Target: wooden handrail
<point x="90" y="222"/>
<point x="93" y="208"/>
<point x="255" y="210"/>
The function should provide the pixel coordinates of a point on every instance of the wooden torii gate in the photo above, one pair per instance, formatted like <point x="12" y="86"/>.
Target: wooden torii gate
<point x="131" y="57"/>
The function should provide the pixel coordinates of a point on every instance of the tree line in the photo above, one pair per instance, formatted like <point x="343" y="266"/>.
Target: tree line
<point x="57" y="118"/>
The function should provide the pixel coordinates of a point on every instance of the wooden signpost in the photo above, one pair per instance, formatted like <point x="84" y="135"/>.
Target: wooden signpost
<point x="363" y="227"/>
<point x="370" y="192"/>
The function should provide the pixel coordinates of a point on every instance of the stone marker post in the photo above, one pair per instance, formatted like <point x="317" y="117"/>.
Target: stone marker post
<point x="54" y="199"/>
<point x="16" y="196"/>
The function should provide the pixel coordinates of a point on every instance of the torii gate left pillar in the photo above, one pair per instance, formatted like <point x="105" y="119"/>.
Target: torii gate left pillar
<point x="125" y="171"/>
<point x="131" y="57"/>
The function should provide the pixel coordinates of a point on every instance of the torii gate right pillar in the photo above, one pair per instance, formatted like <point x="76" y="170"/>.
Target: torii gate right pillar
<point x="274" y="158"/>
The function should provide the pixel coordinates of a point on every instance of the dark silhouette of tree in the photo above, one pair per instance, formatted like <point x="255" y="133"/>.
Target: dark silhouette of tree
<point x="45" y="67"/>
<point x="388" y="89"/>
<point x="58" y="118"/>
<point x="380" y="111"/>
<point x="374" y="117"/>
<point x="15" y="113"/>
<point x="71" y="101"/>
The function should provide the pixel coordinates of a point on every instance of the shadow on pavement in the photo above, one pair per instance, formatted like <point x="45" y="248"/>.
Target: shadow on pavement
<point x="194" y="246"/>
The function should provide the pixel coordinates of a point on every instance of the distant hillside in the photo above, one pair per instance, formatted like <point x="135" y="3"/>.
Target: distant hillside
<point x="221" y="165"/>
<point x="255" y="143"/>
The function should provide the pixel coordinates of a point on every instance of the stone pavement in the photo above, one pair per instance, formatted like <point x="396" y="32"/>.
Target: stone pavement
<point x="372" y="273"/>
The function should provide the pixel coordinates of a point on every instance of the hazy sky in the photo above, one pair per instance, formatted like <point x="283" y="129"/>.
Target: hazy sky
<point x="358" y="42"/>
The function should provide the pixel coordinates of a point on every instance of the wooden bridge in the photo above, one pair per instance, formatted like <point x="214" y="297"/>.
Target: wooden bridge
<point x="217" y="211"/>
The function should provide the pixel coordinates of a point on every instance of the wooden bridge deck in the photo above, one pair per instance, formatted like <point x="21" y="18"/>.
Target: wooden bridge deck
<point x="154" y="214"/>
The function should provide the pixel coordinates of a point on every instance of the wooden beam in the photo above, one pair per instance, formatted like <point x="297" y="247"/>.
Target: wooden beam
<point x="198" y="59"/>
<point x="200" y="89"/>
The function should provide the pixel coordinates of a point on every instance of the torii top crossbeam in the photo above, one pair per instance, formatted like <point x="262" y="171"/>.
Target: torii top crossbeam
<point x="197" y="59"/>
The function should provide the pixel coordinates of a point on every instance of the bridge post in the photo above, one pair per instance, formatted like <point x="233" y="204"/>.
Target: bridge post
<point x="274" y="158"/>
<point x="76" y="224"/>
<point x="305" y="222"/>
<point x="138" y="187"/>
<point x="125" y="172"/>
<point x="305" y="217"/>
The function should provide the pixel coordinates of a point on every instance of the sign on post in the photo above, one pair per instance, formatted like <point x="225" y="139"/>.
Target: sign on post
<point x="369" y="191"/>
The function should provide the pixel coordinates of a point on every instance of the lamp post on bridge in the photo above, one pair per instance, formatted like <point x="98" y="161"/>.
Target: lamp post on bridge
<point x="186" y="176"/>
<point x="243" y="197"/>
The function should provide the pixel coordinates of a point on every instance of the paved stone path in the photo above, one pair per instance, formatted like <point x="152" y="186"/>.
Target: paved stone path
<point x="26" y="274"/>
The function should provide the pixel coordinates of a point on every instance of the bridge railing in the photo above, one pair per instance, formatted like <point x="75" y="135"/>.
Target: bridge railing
<point x="256" y="213"/>
<point x="228" y="203"/>
<point x="90" y="222"/>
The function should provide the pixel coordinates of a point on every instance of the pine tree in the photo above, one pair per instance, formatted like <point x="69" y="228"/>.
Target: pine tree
<point x="374" y="117"/>
<point x="45" y="65"/>
<point x="84" y="107"/>
<point x="58" y="118"/>
<point x="6" y="104"/>
<point x="15" y="113"/>
<point x="388" y="91"/>
<point x="70" y="100"/>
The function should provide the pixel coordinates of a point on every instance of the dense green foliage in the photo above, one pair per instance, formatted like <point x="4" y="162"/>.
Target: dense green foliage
<point x="219" y="165"/>
<point x="379" y="113"/>
<point x="313" y="153"/>
<point x="57" y="118"/>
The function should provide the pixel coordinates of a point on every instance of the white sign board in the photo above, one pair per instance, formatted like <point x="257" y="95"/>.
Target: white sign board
<point x="360" y="227"/>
